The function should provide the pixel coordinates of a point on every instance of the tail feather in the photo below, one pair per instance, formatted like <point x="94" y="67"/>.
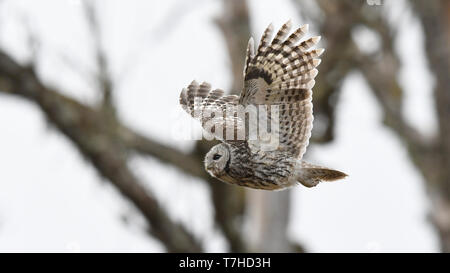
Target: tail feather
<point x="310" y="175"/>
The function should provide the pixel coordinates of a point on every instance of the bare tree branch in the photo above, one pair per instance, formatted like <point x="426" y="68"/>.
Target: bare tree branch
<point x="103" y="74"/>
<point x="435" y="18"/>
<point x="100" y="143"/>
<point x="187" y="163"/>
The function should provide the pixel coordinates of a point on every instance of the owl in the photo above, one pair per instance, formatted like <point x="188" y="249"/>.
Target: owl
<point x="278" y="75"/>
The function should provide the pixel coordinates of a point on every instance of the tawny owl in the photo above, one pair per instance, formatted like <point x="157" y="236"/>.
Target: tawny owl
<point x="279" y="74"/>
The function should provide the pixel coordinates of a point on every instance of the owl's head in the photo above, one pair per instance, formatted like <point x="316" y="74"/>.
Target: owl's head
<point x="217" y="159"/>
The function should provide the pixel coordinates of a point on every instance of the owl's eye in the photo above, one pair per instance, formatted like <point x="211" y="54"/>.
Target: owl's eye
<point x="216" y="157"/>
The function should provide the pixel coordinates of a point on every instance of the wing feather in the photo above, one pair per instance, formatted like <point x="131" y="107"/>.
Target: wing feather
<point x="282" y="73"/>
<point x="205" y="105"/>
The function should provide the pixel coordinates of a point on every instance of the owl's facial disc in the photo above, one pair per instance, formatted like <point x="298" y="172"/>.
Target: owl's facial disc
<point x="216" y="160"/>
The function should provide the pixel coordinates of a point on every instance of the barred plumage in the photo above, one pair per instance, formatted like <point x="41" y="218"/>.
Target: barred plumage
<point x="280" y="74"/>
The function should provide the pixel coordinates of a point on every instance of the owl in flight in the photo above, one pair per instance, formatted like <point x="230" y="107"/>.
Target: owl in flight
<point x="279" y="74"/>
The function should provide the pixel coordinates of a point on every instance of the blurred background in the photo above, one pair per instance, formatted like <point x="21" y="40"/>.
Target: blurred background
<point x="90" y="153"/>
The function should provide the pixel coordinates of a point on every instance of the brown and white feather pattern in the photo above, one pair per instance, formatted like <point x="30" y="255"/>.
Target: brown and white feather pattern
<point x="197" y="100"/>
<point x="280" y="72"/>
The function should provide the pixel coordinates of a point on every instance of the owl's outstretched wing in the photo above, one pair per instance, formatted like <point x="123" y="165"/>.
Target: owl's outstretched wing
<point x="282" y="73"/>
<point x="210" y="108"/>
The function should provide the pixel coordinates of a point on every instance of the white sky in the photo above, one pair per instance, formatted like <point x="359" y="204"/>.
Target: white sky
<point x="52" y="200"/>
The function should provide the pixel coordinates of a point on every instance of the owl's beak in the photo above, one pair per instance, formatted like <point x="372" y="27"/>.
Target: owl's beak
<point x="210" y="171"/>
<point x="209" y="168"/>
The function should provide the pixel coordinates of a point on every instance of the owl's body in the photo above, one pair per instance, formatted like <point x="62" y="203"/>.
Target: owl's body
<point x="280" y="74"/>
<point x="269" y="170"/>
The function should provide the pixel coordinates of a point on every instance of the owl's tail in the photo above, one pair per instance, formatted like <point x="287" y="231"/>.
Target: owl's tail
<point x="310" y="175"/>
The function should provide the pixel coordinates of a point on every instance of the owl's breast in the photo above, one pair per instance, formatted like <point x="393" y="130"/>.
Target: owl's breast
<point x="262" y="170"/>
